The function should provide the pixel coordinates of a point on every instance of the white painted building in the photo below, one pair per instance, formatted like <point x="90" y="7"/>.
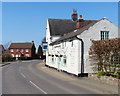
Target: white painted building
<point x="68" y="45"/>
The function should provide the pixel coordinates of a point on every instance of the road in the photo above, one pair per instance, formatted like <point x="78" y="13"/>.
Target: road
<point x="26" y="78"/>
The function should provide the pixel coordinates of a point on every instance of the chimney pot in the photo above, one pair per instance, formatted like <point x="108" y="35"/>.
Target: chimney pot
<point x="74" y="15"/>
<point x="80" y="23"/>
<point x="80" y="16"/>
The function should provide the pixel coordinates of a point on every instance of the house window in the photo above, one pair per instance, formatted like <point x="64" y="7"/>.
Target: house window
<point x="16" y="55"/>
<point x="27" y="55"/>
<point x="22" y="50"/>
<point x="104" y="35"/>
<point x="12" y="55"/>
<point x="11" y="50"/>
<point x="26" y="50"/>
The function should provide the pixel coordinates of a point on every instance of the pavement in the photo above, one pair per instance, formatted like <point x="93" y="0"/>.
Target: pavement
<point x="83" y="81"/>
<point x="1" y="65"/>
<point x="32" y="77"/>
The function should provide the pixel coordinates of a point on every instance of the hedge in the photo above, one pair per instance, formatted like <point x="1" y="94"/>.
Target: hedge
<point x="105" y="55"/>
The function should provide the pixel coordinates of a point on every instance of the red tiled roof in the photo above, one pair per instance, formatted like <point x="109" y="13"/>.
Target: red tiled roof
<point x="21" y="45"/>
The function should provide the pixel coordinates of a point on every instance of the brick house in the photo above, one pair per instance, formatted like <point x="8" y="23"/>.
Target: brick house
<point x="22" y="49"/>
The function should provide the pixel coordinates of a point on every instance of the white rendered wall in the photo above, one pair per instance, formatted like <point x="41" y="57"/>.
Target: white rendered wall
<point x="49" y="40"/>
<point x="93" y="33"/>
<point x="73" y="58"/>
<point x="74" y="53"/>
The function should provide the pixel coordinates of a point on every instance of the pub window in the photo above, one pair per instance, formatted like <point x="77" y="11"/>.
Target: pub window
<point x="115" y="63"/>
<point x="22" y="50"/>
<point x="64" y="60"/>
<point x="104" y="35"/>
<point x="53" y="59"/>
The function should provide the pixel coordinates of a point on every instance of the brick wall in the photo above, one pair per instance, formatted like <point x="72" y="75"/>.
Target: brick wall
<point x="17" y="52"/>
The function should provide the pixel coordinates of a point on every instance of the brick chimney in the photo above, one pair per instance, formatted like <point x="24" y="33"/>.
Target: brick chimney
<point x="80" y="22"/>
<point x="74" y="15"/>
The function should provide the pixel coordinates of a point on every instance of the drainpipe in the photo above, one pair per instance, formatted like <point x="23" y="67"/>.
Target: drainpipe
<point x="82" y="56"/>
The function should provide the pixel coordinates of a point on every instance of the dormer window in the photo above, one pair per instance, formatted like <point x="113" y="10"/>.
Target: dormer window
<point x="104" y="35"/>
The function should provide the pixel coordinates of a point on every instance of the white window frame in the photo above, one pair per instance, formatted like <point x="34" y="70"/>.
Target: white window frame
<point x="65" y="61"/>
<point x="26" y="50"/>
<point x="17" y="49"/>
<point x="22" y="50"/>
<point x="16" y="55"/>
<point x="27" y="55"/>
<point x="11" y="50"/>
<point x="12" y="55"/>
<point x="104" y="35"/>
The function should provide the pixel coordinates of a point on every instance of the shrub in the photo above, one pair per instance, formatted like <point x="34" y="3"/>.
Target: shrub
<point x="117" y="74"/>
<point x="105" y="55"/>
<point x="7" y="58"/>
<point x="100" y="73"/>
<point x="22" y="58"/>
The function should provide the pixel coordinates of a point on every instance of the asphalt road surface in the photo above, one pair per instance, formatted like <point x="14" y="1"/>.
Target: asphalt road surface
<point x="25" y="78"/>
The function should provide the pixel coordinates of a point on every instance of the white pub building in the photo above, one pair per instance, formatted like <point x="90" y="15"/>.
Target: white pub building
<point x="69" y="41"/>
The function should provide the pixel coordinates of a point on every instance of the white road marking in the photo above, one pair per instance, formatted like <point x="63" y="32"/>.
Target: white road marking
<point x="38" y="87"/>
<point x="23" y="75"/>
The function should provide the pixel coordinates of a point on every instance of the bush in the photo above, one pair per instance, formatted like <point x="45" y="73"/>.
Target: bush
<point x="7" y="58"/>
<point x="105" y="55"/>
<point x="22" y="58"/>
<point x="117" y="75"/>
<point x="100" y="73"/>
